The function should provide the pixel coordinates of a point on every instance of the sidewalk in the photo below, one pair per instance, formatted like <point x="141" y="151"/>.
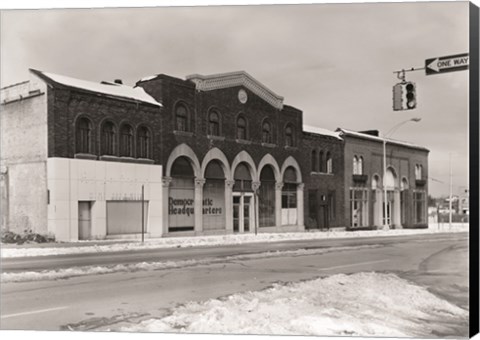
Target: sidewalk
<point x="46" y="249"/>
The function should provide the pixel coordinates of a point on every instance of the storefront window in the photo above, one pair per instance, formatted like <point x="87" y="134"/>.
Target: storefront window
<point x="419" y="204"/>
<point x="358" y="207"/>
<point x="266" y="197"/>
<point x="214" y="197"/>
<point x="289" y="197"/>
<point x="181" y="214"/>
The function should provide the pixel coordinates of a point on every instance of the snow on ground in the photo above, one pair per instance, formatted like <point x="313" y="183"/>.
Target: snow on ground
<point x="177" y="242"/>
<point x="363" y="304"/>
<point x="133" y="267"/>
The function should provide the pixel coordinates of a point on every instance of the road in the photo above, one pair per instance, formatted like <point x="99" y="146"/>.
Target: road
<point x="96" y="302"/>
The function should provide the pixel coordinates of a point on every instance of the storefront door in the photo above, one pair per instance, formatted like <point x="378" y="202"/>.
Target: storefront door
<point x="84" y="220"/>
<point x="243" y="212"/>
<point x="388" y="215"/>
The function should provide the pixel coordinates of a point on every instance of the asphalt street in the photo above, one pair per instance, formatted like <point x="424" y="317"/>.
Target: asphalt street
<point x="97" y="302"/>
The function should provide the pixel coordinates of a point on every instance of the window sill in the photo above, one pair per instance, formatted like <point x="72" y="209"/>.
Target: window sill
<point x="110" y="158"/>
<point x="243" y="141"/>
<point x="85" y="156"/>
<point x="269" y="145"/>
<point x="292" y="148"/>
<point x="321" y="173"/>
<point x="183" y="133"/>
<point x="144" y="160"/>
<point x="213" y="137"/>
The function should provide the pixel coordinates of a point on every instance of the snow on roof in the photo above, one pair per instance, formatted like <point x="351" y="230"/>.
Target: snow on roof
<point x="112" y="89"/>
<point x="379" y="139"/>
<point x="320" y="131"/>
<point x="147" y="78"/>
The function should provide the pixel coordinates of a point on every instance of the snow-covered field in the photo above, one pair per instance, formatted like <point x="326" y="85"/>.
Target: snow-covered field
<point x="363" y="304"/>
<point x="95" y="270"/>
<point x="177" y="242"/>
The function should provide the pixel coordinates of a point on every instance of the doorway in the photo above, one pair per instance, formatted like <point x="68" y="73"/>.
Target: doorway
<point x="243" y="212"/>
<point x="84" y="220"/>
<point x="388" y="213"/>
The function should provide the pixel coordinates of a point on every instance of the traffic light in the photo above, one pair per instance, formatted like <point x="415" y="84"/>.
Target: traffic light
<point x="404" y="96"/>
<point x="410" y="96"/>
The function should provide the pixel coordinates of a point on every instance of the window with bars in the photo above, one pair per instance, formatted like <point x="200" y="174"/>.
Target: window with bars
<point x="214" y="124"/>
<point x="108" y="139"/>
<point x="83" y="135"/>
<point x="266" y="132"/>
<point x="126" y="141"/>
<point x="241" y="128"/>
<point x="143" y="142"/>
<point x="289" y="135"/>
<point x="181" y="118"/>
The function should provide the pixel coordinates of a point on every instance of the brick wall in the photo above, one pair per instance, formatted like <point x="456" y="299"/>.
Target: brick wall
<point x="321" y="182"/>
<point x="67" y="105"/>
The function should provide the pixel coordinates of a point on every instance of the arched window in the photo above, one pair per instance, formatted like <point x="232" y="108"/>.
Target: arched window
<point x="84" y="136"/>
<point x="181" y="118"/>
<point x="214" y="123"/>
<point x="241" y="128"/>
<point x="108" y="139"/>
<point x="314" y="160"/>
<point x="375" y="182"/>
<point x="390" y="179"/>
<point x="329" y="163"/>
<point x="126" y="141"/>
<point x="320" y="162"/>
<point x="360" y="165"/>
<point x="266" y="132"/>
<point x="355" y="165"/>
<point x="289" y="138"/>
<point x="143" y="143"/>
<point x="418" y="171"/>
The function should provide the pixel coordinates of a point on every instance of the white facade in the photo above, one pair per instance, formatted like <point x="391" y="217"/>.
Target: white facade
<point x="96" y="185"/>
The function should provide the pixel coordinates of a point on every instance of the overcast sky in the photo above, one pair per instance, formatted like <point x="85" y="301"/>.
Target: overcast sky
<point x="332" y="61"/>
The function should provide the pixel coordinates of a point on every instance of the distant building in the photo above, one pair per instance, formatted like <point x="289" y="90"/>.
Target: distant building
<point x="214" y="154"/>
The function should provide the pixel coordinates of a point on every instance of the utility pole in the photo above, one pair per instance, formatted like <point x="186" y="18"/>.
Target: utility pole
<point x="451" y="189"/>
<point x="143" y="213"/>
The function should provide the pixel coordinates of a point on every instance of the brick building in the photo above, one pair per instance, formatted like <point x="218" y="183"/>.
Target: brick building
<point x="405" y="183"/>
<point x="203" y="155"/>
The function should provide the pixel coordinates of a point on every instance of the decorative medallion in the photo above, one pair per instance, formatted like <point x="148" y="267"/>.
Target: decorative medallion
<point x="242" y="96"/>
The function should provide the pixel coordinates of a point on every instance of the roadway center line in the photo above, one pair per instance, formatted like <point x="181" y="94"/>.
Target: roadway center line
<point x="32" y="312"/>
<point x="352" y="264"/>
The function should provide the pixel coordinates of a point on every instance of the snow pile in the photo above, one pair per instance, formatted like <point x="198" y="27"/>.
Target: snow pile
<point x="363" y="304"/>
<point x="133" y="267"/>
<point x="195" y="241"/>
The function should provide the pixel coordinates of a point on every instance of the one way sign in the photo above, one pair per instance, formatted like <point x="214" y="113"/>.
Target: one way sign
<point x="445" y="64"/>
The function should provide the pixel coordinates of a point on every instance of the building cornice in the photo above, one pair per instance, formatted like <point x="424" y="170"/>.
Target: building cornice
<point x="232" y="79"/>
